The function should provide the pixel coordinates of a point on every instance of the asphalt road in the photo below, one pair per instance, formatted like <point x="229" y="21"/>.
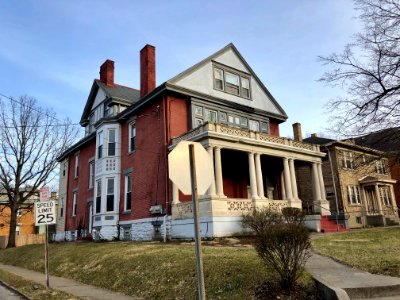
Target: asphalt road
<point x="6" y="294"/>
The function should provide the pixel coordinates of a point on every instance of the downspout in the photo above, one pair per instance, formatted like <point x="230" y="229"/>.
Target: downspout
<point x="334" y="190"/>
<point x="166" y="137"/>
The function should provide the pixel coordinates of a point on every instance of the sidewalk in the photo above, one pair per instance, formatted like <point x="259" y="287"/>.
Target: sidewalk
<point x="342" y="282"/>
<point x="67" y="285"/>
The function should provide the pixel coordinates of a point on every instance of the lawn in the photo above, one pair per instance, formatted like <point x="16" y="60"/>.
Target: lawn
<point x="150" y="270"/>
<point x="373" y="250"/>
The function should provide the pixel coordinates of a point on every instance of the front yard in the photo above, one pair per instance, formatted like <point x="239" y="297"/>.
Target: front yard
<point x="373" y="250"/>
<point x="152" y="270"/>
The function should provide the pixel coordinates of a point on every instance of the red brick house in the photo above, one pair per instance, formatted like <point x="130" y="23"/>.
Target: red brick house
<point x="116" y="184"/>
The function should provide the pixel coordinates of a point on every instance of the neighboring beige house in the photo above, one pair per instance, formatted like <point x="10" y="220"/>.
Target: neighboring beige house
<point x="364" y="187"/>
<point x="62" y="196"/>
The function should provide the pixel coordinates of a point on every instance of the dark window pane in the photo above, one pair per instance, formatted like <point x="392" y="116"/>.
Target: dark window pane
<point x="128" y="200"/>
<point x="98" y="204"/>
<point x="110" y="202"/>
<point x="111" y="149"/>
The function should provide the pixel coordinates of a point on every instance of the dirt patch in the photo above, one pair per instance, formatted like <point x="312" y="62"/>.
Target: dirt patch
<point x="272" y="291"/>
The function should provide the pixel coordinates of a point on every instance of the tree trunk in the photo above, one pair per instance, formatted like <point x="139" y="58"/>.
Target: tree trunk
<point x="13" y="227"/>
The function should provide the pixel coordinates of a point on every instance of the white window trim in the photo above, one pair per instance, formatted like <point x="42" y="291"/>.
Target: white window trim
<point x="224" y="82"/>
<point x="113" y="194"/>
<point x="74" y="206"/>
<point x="98" y="194"/>
<point x="353" y="192"/>
<point x="91" y="174"/>
<point x="108" y="142"/>
<point x="127" y="177"/>
<point x="76" y="170"/>
<point x="132" y="127"/>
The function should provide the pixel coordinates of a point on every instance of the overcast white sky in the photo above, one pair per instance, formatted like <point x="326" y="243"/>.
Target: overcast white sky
<point x="52" y="50"/>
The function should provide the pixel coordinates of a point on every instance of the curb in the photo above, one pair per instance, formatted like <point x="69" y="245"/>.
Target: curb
<point x="330" y="292"/>
<point x="14" y="290"/>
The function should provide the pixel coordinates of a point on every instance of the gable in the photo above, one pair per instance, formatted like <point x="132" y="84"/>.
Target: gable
<point x="100" y="97"/>
<point x="200" y="78"/>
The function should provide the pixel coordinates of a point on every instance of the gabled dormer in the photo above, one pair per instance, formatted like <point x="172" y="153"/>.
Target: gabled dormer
<point x="226" y="75"/>
<point x="106" y="98"/>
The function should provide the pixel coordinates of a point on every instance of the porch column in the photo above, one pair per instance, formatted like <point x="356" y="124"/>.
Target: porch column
<point x="211" y="190"/>
<point x="175" y="194"/>
<point x="252" y="174"/>
<point x="321" y="181"/>
<point x="288" y="184"/>
<point x="316" y="183"/>
<point x="283" y="191"/>
<point x="218" y="172"/>
<point x="293" y="179"/>
<point x="260" y="184"/>
<point x="393" y="197"/>
<point x="378" y="199"/>
<point x="364" y="198"/>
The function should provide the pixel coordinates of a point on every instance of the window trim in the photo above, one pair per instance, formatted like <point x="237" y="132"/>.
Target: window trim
<point x="76" y="168"/>
<point x="127" y="178"/>
<point x="380" y="167"/>
<point x="74" y="206"/>
<point x="100" y="145"/>
<point x="353" y="193"/>
<point x="112" y="196"/>
<point x="98" y="197"/>
<point x="132" y="137"/>
<point x="348" y="161"/>
<point x="234" y="72"/>
<point x="91" y="174"/>
<point x="110" y="144"/>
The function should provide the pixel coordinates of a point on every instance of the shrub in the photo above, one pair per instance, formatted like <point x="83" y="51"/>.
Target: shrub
<point x="282" y="241"/>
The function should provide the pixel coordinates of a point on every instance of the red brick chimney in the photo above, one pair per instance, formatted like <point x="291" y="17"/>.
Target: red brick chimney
<point x="297" y="135"/>
<point x="107" y="72"/>
<point x="147" y="70"/>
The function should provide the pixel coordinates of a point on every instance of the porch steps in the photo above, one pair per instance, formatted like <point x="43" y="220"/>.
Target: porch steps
<point x="328" y="225"/>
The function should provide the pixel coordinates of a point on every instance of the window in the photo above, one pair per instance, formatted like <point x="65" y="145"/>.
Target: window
<point x="62" y="207"/>
<point x="18" y="229"/>
<point x="358" y="220"/>
<point x="385" y="195"/>
<point x="100" y="145"/>
<point x="91" y="174"/>
<point x="219" y="79"/>
<point x="128" y="192"/>
<point x="245" y="88"/>
<point x="107" y="110"/>
<point x="210" y="116"/>
<point x="98" y="196"/>
<point x="237" y="121"/>
<point x="264" y="127"/>
<point x="111" y="142"/>
<point x="198" y="111"/>
<point x="353" y="194"/>
<point x="91" y="122"/>
<point x="64" y="169"/>
<point x="243" y="122"/>
<point x="76" y="165"/>
<point x="74" y="204"/>
<point x="254" y="125"/>
<point x="231" y="83"/>
<point x="19" y="212"/>
<point x="348" y="160"/>
<point x="132" y="137"/>
<point x="230" y="119"/>
<point x="222" y="117"/>
<point x="110" y="194"/>
<point x="381" y="167"/>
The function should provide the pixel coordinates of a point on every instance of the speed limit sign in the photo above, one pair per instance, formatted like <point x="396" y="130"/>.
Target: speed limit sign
<point x="45" y="212"/>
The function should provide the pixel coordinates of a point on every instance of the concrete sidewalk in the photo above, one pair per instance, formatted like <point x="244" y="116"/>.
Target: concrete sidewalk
<point x="342" y="282"/>
<point x="67" y="285"/>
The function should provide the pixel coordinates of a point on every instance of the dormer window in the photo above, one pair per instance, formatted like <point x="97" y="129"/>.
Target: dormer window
<point x="231" y="82"/>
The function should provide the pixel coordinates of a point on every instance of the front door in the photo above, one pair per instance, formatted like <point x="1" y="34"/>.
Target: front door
<point x="371" y="200"/>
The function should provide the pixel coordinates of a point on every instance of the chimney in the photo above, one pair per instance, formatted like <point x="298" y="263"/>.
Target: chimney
<point x="313" y="135"/>
<point x="107" y="72"/>
<point x="147" y="70"/>
<point x="297" y="135"/>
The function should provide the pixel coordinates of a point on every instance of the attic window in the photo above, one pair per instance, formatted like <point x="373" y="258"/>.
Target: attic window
<point x="231" y="82"/>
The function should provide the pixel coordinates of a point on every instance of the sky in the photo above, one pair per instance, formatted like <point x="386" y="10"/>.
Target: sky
<point x="52" y="50"/>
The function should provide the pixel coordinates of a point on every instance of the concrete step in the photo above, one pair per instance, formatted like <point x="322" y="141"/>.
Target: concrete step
<point x="377" y="291"/>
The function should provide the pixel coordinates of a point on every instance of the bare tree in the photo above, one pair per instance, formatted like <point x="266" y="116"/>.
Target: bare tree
<point x="369" y="70"/>
<point x="31" y="138"/>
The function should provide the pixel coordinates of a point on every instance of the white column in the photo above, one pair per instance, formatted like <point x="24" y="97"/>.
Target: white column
<point x="393" y="197"/>
<point x="283" y="191"/>
<point x="260" y="184"/>
<point x="378" y="199"/>
<point x="218" y="172"/>
<point x="293" y="179"/>
<point x="175" y="194"/>
<point x="321" y="182"/>
<point x="288" y="184"/>
<point x="211" y="190"/>
<point x="252" y="174"/>
<point x="316" y="183"/>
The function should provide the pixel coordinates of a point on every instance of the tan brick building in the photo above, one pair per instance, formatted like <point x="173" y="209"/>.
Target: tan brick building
<point x="358" y="183"/>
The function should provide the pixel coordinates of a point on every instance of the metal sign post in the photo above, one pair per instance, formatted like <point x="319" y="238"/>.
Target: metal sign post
<point x="45" y="214"/>
<point x="196" y="221"/>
